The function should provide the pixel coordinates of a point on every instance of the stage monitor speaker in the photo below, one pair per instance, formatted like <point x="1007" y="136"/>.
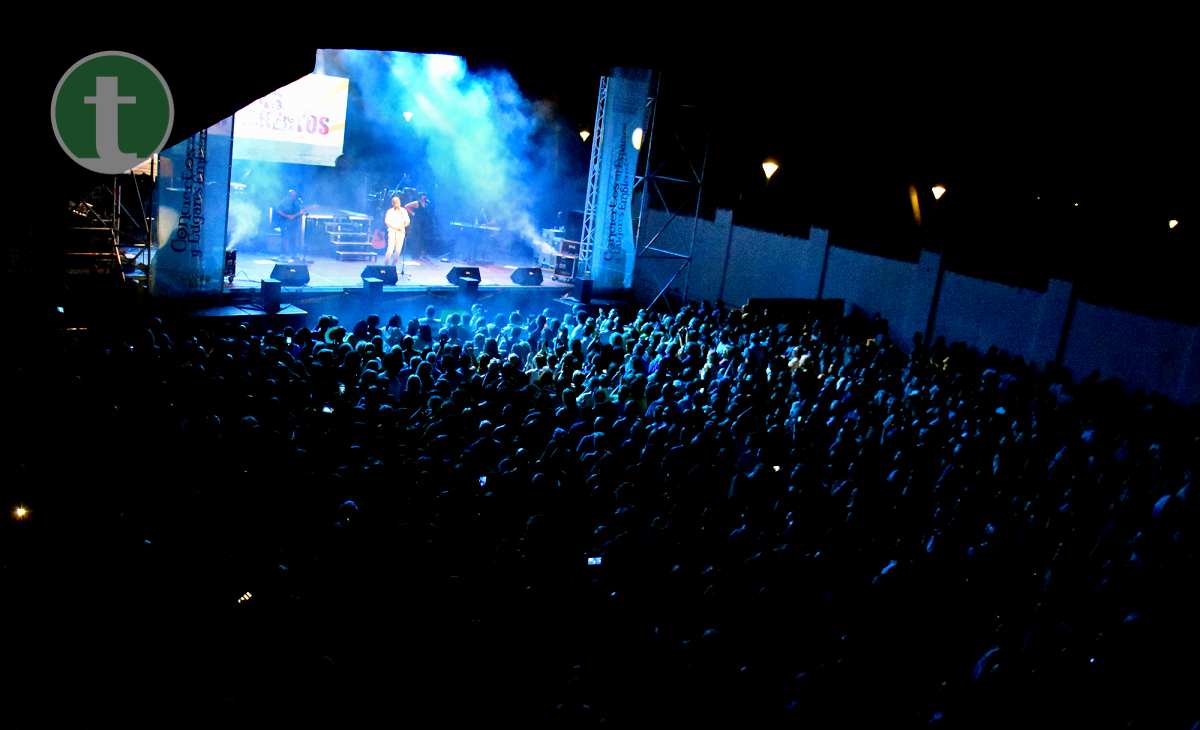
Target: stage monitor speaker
<point x="386" y="274"/>
<point x="583" y="290"/>
<point x="465" y="276"/>
<point x="291" y="274"/>
<point x="272" y="290"/>
<point x="527" y="276"/>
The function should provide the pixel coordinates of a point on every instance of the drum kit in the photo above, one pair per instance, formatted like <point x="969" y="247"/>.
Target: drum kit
<point x="382" y="197"/>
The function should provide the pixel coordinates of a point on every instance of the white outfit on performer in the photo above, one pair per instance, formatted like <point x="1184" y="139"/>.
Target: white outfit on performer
<point x="397" y="221"/>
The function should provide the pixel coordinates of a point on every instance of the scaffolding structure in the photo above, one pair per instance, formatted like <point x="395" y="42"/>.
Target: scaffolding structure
<point x="583" y="267"/>
<point x="675" y="171"/>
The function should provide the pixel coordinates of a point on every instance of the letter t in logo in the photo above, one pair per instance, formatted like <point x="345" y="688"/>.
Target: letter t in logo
<point x="106" y="102"/>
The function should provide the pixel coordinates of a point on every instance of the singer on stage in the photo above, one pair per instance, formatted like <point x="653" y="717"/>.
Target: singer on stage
<point x="396" y="220"/>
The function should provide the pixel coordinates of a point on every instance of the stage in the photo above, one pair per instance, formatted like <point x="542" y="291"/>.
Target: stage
<point x="327" y="274"/>
<point x="336" y="287"/>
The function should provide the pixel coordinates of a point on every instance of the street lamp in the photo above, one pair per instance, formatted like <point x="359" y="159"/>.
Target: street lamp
<point x="770" y="167"/>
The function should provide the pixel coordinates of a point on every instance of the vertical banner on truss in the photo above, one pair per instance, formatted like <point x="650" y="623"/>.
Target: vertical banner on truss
<point x="613" y="244"/>
<point x="192" y="195"/>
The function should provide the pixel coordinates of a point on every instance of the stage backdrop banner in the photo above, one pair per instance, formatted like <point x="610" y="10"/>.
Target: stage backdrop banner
<point x="192" y="196"/>
<point x="303" y="123"/>
<point x="613" y="245"/>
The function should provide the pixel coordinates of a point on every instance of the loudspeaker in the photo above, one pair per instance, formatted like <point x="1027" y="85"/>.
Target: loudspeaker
<point x="386" y="274"/>
<point x="564" y="266"/>
<point x="568" y="247"/>
<point x="466" y="276"/>
<point x="583" y="290"/>
<point x="290" y="274"/>
<point x="230" y="264"/>
<point x="272" y="290"/>
<point x="528" y="276"/>
<point x="573" y="224"/>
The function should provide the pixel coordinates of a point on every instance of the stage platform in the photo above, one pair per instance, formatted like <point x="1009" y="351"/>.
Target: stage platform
<point x="327" y="274"/>
<point x="336" y="287"/>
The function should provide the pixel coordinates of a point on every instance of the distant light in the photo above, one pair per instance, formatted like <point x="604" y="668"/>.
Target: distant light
<point x="408" y="116"/>
<point x="770" y="167"/>
<point x="1172" y="223"/>
<point x="1075" y="205"/>
<point x="938" y="191"/>
<point x="916" y="203"/>
<point x="245" y="597"/>
<point x="20" y="512"/>
<point x="584" y="134"/>
<point x="637" y="138"/>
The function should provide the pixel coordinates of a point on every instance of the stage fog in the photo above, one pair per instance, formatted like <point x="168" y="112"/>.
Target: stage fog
<point x="480" y="167"/>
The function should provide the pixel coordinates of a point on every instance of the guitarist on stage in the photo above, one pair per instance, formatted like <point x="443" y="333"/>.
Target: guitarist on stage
<point x="289" y="212"/>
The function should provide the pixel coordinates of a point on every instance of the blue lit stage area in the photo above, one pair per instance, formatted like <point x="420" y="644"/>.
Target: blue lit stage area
<point x="307" y="175"/>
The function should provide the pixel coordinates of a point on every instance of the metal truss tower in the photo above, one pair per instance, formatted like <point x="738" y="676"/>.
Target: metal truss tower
<point x="673" y="178"/>
<point x="583" y="269"/>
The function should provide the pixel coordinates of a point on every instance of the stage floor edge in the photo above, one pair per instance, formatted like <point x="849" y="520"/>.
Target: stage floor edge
<point x="328" y="276"/>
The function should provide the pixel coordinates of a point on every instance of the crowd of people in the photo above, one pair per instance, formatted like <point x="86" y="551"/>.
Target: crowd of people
<point x="596" y="517"/>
